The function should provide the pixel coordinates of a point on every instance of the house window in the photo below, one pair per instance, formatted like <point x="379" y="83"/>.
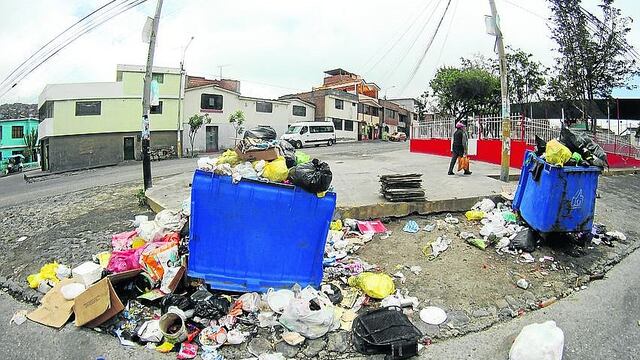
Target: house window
<point x="17" y="132"/>
<point x="299" y="110"/>
<point x="391" y="113"/>
<point x="157" y="109"/>
<point x="211" y="102"/>
<point x="17" y="152"/>
<point x="46" y="110"/>
<point x="158" y="77"/>
<point x="320" y="129"/>
<point x="374" y="111"/>
<point x="337" y="123"/>
<point x="87" y="108"/>
<point x="361" y="108"/>
<point x="339" y="104"/>
<point x="263" y="106"/>
<point x="348" y="125"/>
<point x="0" y="135"/>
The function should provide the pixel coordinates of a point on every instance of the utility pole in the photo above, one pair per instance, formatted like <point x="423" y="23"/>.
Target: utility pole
<point x="504" y="91"/>
<point x="181" y="99"/>
<point x="146" y="95"/>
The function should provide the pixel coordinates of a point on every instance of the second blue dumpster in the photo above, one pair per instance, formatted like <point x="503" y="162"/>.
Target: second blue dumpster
<point x="255" y="235"/>
<point x="554" y="198"/>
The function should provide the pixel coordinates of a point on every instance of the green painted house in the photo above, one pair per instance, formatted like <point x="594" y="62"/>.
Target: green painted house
<point x="12" y="133"/>
<point x="93" y="124"/>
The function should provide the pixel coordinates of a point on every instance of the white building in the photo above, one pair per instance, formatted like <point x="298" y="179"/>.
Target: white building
<point x="219" y="103"/>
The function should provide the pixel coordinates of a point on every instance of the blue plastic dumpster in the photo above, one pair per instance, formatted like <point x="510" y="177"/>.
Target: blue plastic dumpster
<point x="255" y="235"/>
<point x="558" y="199"/>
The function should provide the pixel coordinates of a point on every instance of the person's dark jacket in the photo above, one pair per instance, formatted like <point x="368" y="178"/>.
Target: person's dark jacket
<point x="459" y="142"/>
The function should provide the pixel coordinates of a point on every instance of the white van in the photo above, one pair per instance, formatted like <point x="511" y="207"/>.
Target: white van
<point x="310" y="133"/>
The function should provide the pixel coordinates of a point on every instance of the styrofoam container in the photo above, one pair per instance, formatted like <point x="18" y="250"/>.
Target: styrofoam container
<point x="87" y="273"/>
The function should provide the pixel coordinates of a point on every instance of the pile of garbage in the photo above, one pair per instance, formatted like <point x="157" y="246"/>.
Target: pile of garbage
<point x="571" y="149"/>
<point x="259" y="156"/>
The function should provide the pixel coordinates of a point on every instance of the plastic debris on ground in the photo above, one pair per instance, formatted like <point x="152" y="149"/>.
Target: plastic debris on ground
<point x="433" y="315"/>
<point x="543" y="341"/>
<point x="436" y="247"/>
<point x="411" y="227"/>
<point x="19" y="317"/>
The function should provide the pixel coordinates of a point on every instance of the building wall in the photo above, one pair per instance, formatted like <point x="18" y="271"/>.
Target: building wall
<point x="310" y="112"/>
<point x="133" y="81"/>
<point x="349" y="111"/>
<point x="116" y="115"/>
<point x="278" y="118"/>
<point x="7" y="143"/>
<point x="87" y="150"/>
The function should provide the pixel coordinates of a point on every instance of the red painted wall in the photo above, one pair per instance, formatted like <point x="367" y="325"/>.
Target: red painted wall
<point x="491" y="151"/>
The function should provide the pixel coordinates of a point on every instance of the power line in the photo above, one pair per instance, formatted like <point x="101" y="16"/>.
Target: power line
<point x="446" y="35"/>
<point x="88" y="23"/>
<point x="526" y="10"/>
<point x="396" y="42"/>
<point x="424" y="54"/>
<point x="408" y="49"/>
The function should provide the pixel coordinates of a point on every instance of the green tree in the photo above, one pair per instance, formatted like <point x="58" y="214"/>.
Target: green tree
<point x="479" y="61"/>
<point x="460" y="92"/>
<point x="594" y="54"/>
<point x="237" y="120"/>
<point x="31" y="142"/>
<point x="526" y="77"/>
<point x="195" y="123"/>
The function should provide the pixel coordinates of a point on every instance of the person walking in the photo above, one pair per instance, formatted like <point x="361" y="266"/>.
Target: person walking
<point x="460" y="146"/>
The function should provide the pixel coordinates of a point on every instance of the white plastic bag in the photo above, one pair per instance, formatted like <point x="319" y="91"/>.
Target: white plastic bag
<point x="485" y="205"/>
<point x="538" y="342"/>
<point x="150" y="231"/>
<point x="312" y="324"/>
<point x="246" y="170"/>
<point x="169" y="220"/>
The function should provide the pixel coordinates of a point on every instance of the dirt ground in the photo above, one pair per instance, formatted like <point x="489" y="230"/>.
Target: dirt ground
<point x="68" y="228"/>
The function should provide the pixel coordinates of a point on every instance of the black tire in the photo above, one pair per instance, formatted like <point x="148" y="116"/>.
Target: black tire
<point x="330" y="143"/>
<point x="298" y="145"/>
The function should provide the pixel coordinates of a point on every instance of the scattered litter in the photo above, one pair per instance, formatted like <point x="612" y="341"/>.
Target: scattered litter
<point x="375" y="227"/>
<point x="187" y="351"/>
<point x="449" y="219"/>
<point x="429" y="227"/>
<point x="466" y="235"/>
<point x="538" y="342"/>
<point x="19" y="317"/>
<point x="400" y="277"/>
<point x="71" y="291"/>
<point x="21" y="239"/>
<point x="474" y="215"/>
<point x="433" y="315"/>
<point x="292" y="338"/>
<point x="479" y="243"/>
<point x="527" y="258"/>
<point x="411" y="227"/>
<point x="523" y="284"/>
<point x="617" y="235"/>
<point x="416" y="269"/>
<point x="386" y="235"/>
<point x="484" y="205"/>
<point x="278" y="300"/>
<point x="385" y="330"/>
<point x="546" y="258"/>
<point x="436" y="247"/>
<point x="375" y="285"/>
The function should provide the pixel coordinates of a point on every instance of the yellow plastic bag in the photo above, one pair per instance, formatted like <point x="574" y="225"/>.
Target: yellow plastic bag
<point x="556" y="153"/>
<point x="276" y="170"/>
<point x="229" y="157"/>
<point x="474" y="215"/>
<point x="336" y="225"/>
<point x="47" y="272"/>
<point x="375" y="285"/>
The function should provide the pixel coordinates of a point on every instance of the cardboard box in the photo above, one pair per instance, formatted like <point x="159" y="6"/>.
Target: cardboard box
<point x="54" y="310"/>
<point x="97" y="304"/>
<point x="266" y="155"/>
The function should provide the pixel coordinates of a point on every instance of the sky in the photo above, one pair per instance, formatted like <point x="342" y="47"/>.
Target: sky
<point x="277" y="47"/>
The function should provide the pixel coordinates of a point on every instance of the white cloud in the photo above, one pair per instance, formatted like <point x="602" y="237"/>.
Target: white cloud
<point x="284" y="43"/>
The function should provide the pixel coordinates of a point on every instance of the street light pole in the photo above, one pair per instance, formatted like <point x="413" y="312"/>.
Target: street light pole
<point x="504" y="91"/>
<point x="146" y="95"/>
<point x="181" y="99"/>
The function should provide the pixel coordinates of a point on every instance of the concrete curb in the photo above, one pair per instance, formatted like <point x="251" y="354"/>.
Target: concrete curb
<point x="28" y="178"/>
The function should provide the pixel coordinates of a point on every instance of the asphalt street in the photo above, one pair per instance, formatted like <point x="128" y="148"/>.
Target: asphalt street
<point x="13" y="188"/>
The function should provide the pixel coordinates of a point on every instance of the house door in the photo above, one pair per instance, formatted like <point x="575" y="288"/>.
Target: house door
<point x="129" y="148"/>
<point x="212" y="139"/>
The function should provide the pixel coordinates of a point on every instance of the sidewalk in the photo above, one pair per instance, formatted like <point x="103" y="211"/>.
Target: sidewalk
<point x="355" y="180"/>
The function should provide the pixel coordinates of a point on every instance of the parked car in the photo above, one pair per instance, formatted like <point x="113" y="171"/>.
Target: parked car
<point x="310" y="133"/>
<point x="398" y="136"/>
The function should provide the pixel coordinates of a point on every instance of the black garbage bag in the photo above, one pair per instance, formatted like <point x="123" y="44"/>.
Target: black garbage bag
<point x="212" y="308"/>
<point x="385" y="331"/>
<point x="314" y="176"/>
<point x="525" y="240"/>
<point x="585" y="146"/>
<point x="262" y="132"/>
<point x="289" y="153"/>
<point x="541" y="146"/>
<point x="179" y="301"/>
